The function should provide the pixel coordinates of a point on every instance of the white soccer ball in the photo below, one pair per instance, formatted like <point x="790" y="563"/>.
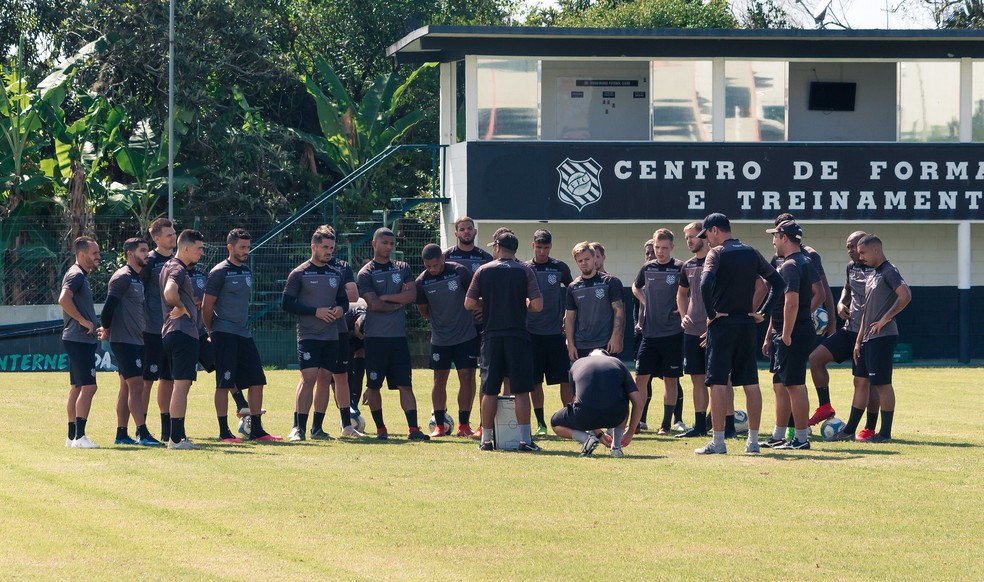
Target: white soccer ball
<point x="245" y="426"/>
<point x="820" y="320"/>
<point x="358" y="422"/>
<point x="448" y="423"/>
<point x="830" y="428"/>
<point x="741" y="421"/>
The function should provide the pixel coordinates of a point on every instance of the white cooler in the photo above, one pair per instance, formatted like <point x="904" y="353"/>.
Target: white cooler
<point x="507" y="434"/>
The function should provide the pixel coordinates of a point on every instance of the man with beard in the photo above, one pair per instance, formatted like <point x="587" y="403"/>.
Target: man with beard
<point x="80" y="340"/>
<point x="595" y="311"/>
<point x="154" y="364"/>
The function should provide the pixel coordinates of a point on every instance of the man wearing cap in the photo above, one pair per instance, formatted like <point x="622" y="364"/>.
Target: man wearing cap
<point x="507" y="289"/>
<point x="791" y="337"/>
<point x="546" y="327"/>
<point x="727" y="285"/>
<point x="595" y="311"/>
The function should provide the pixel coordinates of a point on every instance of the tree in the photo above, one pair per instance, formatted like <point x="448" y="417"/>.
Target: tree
<point x="638" y="14"/>
<point x="766" y="14"/>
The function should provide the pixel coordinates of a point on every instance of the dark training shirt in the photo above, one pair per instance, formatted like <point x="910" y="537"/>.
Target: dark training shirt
<point x="385" y="279"/>
<point x="231" y="285"/>
<point x="601" y="382"/>
<point x="444" y="296"/>
<point x="728" y="281"/>
<point x="659" y="284"/>
<point x="553" y="277"/>
<point x="592" y="298"/>
<point x="152" y="291"/>
<point x="797" y="272"/>
<point x="129" y="321"/>
<point x="504" y="285"/>
<point x="175" y="270"/>
<point x="308" y="288"/>
<point x="76" y="280"/>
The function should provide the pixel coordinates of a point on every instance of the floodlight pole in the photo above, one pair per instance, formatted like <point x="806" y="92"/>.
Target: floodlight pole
<point x="170" y="115"/>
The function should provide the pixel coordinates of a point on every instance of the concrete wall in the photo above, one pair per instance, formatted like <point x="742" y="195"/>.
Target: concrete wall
<point x="875" y="111"/>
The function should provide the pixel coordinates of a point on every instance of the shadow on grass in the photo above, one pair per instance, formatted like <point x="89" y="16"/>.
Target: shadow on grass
<point x="824" y="457"/>
<point x="955" y="445"/>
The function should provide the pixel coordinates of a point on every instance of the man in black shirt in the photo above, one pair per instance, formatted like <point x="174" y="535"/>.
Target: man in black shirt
<point x="465" y="252"/>
<point x="154" y="364"/>
<point x="506" y="289"/>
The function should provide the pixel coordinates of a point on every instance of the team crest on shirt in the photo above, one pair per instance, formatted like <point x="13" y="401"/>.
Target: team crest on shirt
<point x="670" y="279"/>
<point x="227" y="375"/>
<point x="474" y="266"/>
<point x="249" y="281"/>
<point x="551" y="279"/>
<point x="396" y="277"/>
<point x="453" y="285"/>
<point x="600" y="292"/>
<point x="139" y="364"/>
<point x="200" y="282"/>
<point x="333" y="282"/>
<point x="93" y="372"/>
<point x="580" y="182"/>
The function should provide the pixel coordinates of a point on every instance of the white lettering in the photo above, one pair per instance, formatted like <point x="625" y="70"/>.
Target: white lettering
<point x="975" y="198"/>
<point x="726" y="171"/>
<point x="956" y="171"/>
<point x="796" y="200"/>
<point x="828" y="170"/>
<point x="802" y="170"/>
<point x="876" y="169"/>
<point x="894" y="200"/>
<point x="929" y="171"/>
<point x="922" y="200"/>
<point x="903" y="170"/>
<point x="817" y="200"/>
<point x="674" y="170"/>
<point x="746" y="198"/>
<point x="700" y="167"/>
<point x="623" y="169"/>
<point x="696" y="200"/>
<point x="751" y="170"/>
<point x="647" y="170"/>
<point x="980" y="171"/>
<point x="838" y="200"/>
<point x="867" y="201"/>
<point x="948" y="200"/>
<point x="770" y="200"/>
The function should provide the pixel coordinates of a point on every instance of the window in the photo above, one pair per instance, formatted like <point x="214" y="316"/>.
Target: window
<point x="929" y="101"/>
<point x="681" y="100"/>
<point x="508" y="103"/>
<point x="755" y="101"/>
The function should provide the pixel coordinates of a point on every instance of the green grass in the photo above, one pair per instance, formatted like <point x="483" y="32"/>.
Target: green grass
<point x="370" y="510"/>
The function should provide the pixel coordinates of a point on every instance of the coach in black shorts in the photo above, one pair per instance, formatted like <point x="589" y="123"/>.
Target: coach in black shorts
<point x="79" y="338"/>
<point x="507" y="289"/>
<point x="603" y="388"/>
<point x="454" y="342"/>
<point x="727" y="287"/>
<point x="154" y="364"/>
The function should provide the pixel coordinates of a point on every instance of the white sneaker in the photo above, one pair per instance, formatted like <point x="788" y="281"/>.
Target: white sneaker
<point x="679" y="426"/>
<point x="68" y="443"/>
<point x="712" y="449"/>
<point x="83" y="442"/>
<point x="296" y="435"/>
<point x="617" y="453"/>
<point x="184" y="445"/>
<point x="752" y="447"/>
<point x="349" y="431"/>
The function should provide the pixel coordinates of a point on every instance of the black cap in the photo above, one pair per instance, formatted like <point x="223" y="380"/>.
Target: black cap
<point x="715" y="219"/>
<point x="508" y="241"/>
<point x="790" y="229"/>
<point x="498" y="232"/>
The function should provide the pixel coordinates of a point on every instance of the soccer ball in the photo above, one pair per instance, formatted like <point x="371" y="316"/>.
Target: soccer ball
<point x="741" y="421"/>
<point x="831" y="427"/>
<point x="820" y="320"/>
<point x="358" y="422"/>
<point x="245" y="426"/>
<point x="448" y="423"/>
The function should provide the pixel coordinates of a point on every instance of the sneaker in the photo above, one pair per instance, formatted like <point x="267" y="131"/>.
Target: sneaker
<point x="149" y="441"/>
<point x="642" y="426"/>
<point x="125" y="441"/>
<point x="795" y="445"/>
<point x="381" y="434"/>
<point x="679" y="426"/>
<point x="691" y="432"/>
<point x="68" y="443"/>
<point x="486" y="446"/>
<point x="663" y="431"/>
<point x="711" y="449"/>
<point x="230" y="439"/>
<point x="438" y="431"/>
<point x="865" y="435"/>
<point x="418" y="435"/>
<point x="772" y="443"/>
<point x="843" y="435"/>
<point x="464" y="431"/>
<point x="541" y="430"/>
<point x="184" y="445"/>
<point x="880" y="438"/>
<point x="83" y="442"/>
<point x="752" y="448"/>
<point x="617" y="453"/>
<point x="589" y="446"/>
<point x="297" y="435"/>
<point x="244" y="412"/>
<point x="822" y="413"/>
<point x="268" y="437"/>
<point x="528" y="447"/>
<point x="317" y="434"/>
<point x="350" y="431"/>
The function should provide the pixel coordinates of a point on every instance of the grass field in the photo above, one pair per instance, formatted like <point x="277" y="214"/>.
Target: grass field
<point x="912" y="509"/>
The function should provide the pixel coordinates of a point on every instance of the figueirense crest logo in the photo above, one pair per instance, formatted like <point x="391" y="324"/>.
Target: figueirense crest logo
<point x="580" y="184"/>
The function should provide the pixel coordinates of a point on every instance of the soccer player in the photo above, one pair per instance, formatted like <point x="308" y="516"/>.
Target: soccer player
<point x="180" y="332"/>
<point x="507" y="289"/>
<point x="355" y="317"/>
<point x="154" y="364"/>
<point x="465" y="252"/>
<point x="885" y="296"/>
<point x="840" y="346"/>
<point x="727" y="286"/>
<point x="595" y="311"/>
<point x="80" y="339"/>
<point x="225" y="312"/>
<point x="604" y="388"/>
<point x="441" y="300"/>
<point x="790" y="338"/>
<point x="690" y="305"/>
<point x="123" y="325"/>
<point x="650" y="255"/>
<point x="388" y="286"/>
<point x="339" y="383"/>
<point x="661" y="351"/>
<point x="315" y="293"/>
<point x="546" y="327"/>
<point x="599" y="250"/>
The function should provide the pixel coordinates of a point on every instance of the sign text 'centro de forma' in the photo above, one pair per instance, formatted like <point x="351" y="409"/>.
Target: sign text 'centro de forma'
<point x="544" y="181"/>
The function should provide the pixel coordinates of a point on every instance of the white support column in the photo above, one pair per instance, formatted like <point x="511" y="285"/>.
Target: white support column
<point x="447" y="104"/>
<point x="963" y="256"/>
<point x="718" y="90"/>
<point x="963" y="290"/>
<point x="966" y="99"/>
<point x="471" y="98"/>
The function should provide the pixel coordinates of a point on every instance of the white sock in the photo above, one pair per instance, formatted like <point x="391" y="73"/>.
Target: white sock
<point x="719" y="438"/>
<point x="778" y="433"/>
<point x="486" y="435"/>
<point x="802" y="435"/>
<point x="580" y="436"/>
<point x="753" y="436"/>
<point x="617" y="434"/>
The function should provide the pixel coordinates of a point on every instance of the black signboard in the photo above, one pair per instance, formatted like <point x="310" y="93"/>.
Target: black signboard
<point x="641" y="181"/>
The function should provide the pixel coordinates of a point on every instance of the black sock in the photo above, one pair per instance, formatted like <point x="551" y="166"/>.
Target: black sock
<point x="302" y="421"/>
<point x="318" y="422"/>
<point x="377" y="417"/>
<point x="439" y="416"/>
<point x="792" y="421"/>
<point x="71" y="431"/>
<point x="678" y="409"/>
<point x="823" y="394"/>
<point x="729" y="423"/>
<point x="852" y="422"/>
<point x="539" y="416"/>
<point x="224" y="431"/>
<point x="256" y="427"/>
<point x="667" y="415"/>
<point x="142" y="432"/>
<point x="872" y="420"/>
<point x="464" y="417"/>
<point x="346" y="415"/>
<point x="700" y="422"/>
<point x="356" y="376"/>
<point x="121" y="432"/>
<point x="649" y="398"/>
<point x="886" y="429"/>
<point x="412" y="419"/>
<point x="177" y="429"/>
<point x="165" y="426"/>
<point x="79" y="427"/>
<point x="237" y="395"/>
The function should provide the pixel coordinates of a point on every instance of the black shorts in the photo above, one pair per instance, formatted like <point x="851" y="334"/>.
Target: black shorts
<point x="312" y="353"/>
<point x="206" y="353"/>
<point x="578" y="417"/>
<point x="694" y="355"/>
<point x="788" y="364"/>
<point x="506" y="356"/>
<point x="464" y="356"/>
<point x="661" y="356"/>
<point x="585" y="352"/>
<point x="550" y="359"/>
<point x="875" y="361"/>
<point x="731" y="348"/>
<point x="181" y="354"/>
<point x="841" y="345"/>
<point x="129" y="359"/>
<point x="154" y="364"/>
<point x="342" y="356"/>
<point x="388" y="358"/>
<point x="81" y="363"/>
<point x="237" y="362"/>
